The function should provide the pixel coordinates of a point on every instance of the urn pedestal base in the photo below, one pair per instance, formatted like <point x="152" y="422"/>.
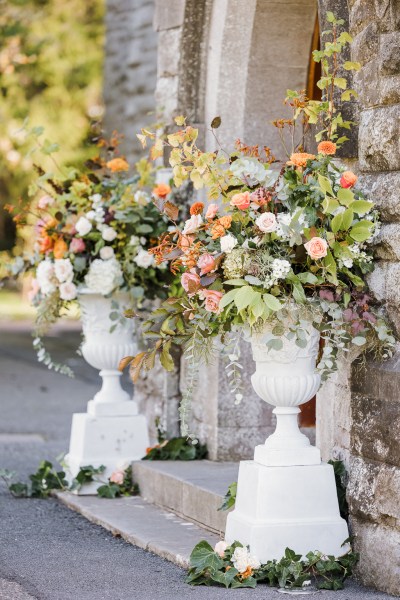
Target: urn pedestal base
<point x="289" y="506"/>
<point x="112" y="441"/>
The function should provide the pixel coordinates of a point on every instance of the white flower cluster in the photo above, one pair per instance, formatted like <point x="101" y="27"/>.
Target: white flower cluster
<point x="285" y="226"/>
<point x="243" y="560"/>
<point x="357" y="254"/>
<point x="144" y="259"/>
<point x="250" y="170"/>
<point x="280" y="268"/>
<point x="104" y="276"/>
<point x="58" y="274"/>
<point x="84" y="224"/>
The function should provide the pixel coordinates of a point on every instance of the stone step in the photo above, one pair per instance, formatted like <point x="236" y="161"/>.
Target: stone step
<point x="193" y="490"/>
<point x="142" y="524"/>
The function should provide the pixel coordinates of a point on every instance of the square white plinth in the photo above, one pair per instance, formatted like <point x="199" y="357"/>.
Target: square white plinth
<point x="112" y="441"/>
<point x="280" y="507"/>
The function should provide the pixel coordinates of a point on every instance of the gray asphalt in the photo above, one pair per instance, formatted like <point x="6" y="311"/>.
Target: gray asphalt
<point x="48" y="552"/>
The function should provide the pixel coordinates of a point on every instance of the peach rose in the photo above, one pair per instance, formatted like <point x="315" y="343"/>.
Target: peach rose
<point x="220" y="548"/>
<point x="299" y="159"/>
<point x="206" y="263"/>
<point x="266" y="222"/>
<point x="46" y="244"/>
<point x="241" y="201"/>
<point x="316" y="248"/>
<point x="217" y="231"/>
<point x="212" y="211"/>
<point x="190" y="283"/>
<point x="348" y="179"/>
<point x="192" y="224"/>
<point x="185" y="242"/>
<point x="162" y="190"/>
<point x="117" y="477"/>
<point x="60" y="248"/>
<point x="212" y="299"/>
<point x="225" y="221"/>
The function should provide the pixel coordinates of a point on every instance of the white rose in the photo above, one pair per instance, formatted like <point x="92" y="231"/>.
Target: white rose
<point x="266" y="222"/>
<point x="108" y="234"/>
<point x="134" y="241"/>
<point x="90" y="215"/>
<point x="63" y="269"/>
<point x="96" y="198"/>
<point x="144" y="259"/>
<point x="240" y="559"/>
<point x="83" y="226"/>
<point x="106" y="252"/>
<point x="228" y="242"/>
<point x="45" y="277"/>
<point x="192" y="224"/>
<point x="68" y="291"/>
<point x="104" y="276"/>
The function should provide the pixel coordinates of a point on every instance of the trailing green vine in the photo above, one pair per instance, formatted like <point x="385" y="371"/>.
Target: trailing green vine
<point x="179" y="448"/>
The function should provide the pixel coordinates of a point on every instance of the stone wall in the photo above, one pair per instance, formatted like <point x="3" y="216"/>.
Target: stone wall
<point x="358" y="411"/>
<point x="130" y="70"/>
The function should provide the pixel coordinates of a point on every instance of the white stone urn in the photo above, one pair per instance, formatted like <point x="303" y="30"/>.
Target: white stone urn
<point x="286" y="497"/>
<point x="112" y="432"/>
<point x="286" y="379"/>
<point x="103" y="349"/>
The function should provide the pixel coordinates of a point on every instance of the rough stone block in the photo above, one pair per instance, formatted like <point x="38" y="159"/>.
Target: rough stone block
<point x="376" y="428"/>
<point x="366" y="44"/>
<point x="389" y="90"/>
<point x="169" y="52"/>
<point x="379" y="136"/>
<point x="389" y="54"/>
<point x="388" y="242"/>
<point x="384" y="190"/>
<point x="169" y="14"/>
<point x="167" y="97"/>
<point x="361" y="15"/>
<point x="366" y="83"/>
<point x="388" y="14"/>
<point x="379" y="564"/>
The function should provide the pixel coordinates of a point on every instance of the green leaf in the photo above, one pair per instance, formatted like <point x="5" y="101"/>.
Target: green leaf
<point x="144" y="228"/>
<point x="325" y="185"/>
<point x="361" y="207"/>
<point x="275" y="344"/>
<point x="257" y="306"/>
<point x="346" y="96"/>
<point x="244" y="297"/>
<point x="360" y="234"/>
<point x="307" y="277"/>
<point x="166" y="358"/>
<point x="340" y="82"/>
<point x="272" y="302"/>
<point x="347" y="219"/>
<point x="345" y="196"/>
<point x="336" y="223"/>
<point x="204" y="557"/>
<point x="348" y="65"/>
<point x="227" y="298"/>
<point x="216" y="122"/>
<point x="236" y="282"/>
<point x="329" y="205"/>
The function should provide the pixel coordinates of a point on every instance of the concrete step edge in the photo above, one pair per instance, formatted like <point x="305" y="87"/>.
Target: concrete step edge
<point x="141" y="524"/>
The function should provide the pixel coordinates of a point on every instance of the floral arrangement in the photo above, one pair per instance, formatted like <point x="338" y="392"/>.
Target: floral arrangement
<point x="91" y="230"/>
<point x="233" y="566"/>
<point x="282" y="242"/>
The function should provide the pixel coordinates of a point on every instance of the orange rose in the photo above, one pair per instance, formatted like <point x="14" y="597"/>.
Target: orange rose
<point x="348" y="179"/>
<point x="161" y="190"/>
<point x="299" y="159"/>
<point x="185" y="242"/>
<point x="212" y="211"/>
<point x="326" y="148"/>
<point x="196" y="208"/>
<point x="241" y="201"/>
<point x="60" y="248"/>
<point x="225" y="221"/>
<point x="217" y="230"/>
<point x="117" y="164"/>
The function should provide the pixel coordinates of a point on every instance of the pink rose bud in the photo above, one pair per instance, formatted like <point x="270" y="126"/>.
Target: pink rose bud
<point x="206" y="263"/>
<point x="212" y="299"/>
<point x="316" y="248"/>
<point x="77" y="245"/>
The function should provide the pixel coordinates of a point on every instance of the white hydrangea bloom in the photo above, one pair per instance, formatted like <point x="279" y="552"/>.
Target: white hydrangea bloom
<point x="144" y="259"/>
<point x="280" y="268"/>
<point x="108" y="233"/>
<point x="242" y="560"/>
<point x="249" y="169"/>
<point x="104" y="276"/>
<point x="83" y="226"/>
